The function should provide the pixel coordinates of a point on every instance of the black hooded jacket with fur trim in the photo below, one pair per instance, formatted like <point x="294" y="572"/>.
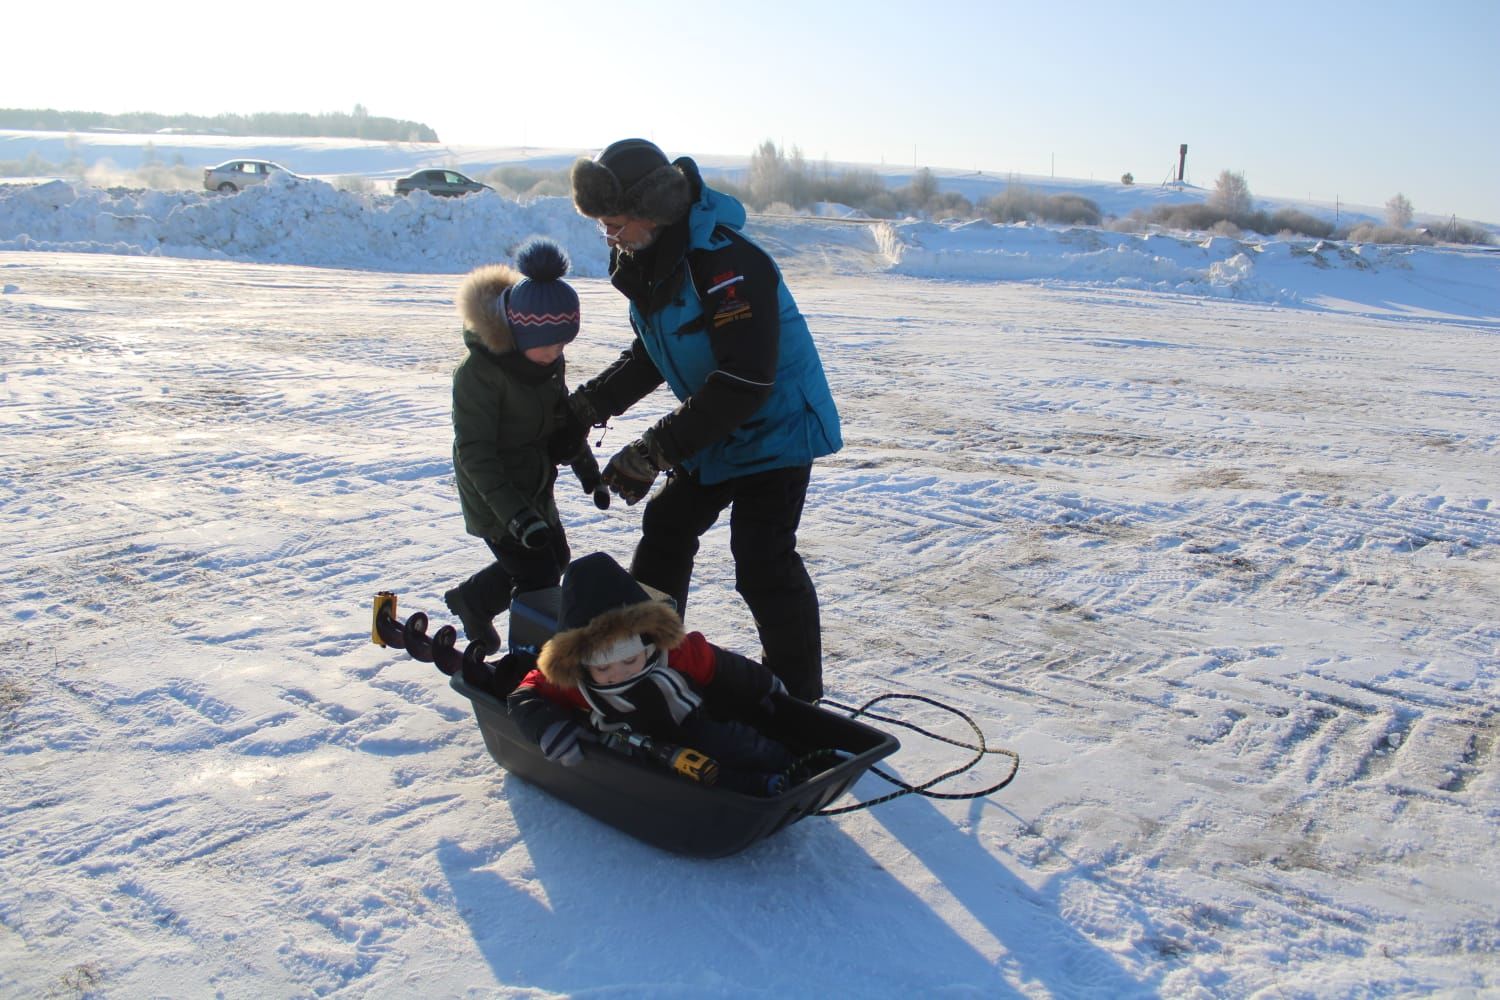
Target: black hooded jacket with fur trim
<point x="506" y="409"/>
<point x="691" y="675"/>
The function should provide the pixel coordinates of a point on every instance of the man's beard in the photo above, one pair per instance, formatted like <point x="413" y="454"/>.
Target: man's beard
<point x="635" y="246"/>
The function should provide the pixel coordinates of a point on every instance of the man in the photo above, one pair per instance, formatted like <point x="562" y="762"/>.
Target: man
<point x="714" y="320"/>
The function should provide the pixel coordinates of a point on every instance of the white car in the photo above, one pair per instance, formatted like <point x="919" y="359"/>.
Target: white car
<point x="236" y="175"/>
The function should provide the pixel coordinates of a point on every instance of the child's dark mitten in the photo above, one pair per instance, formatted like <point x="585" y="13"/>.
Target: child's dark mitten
<point x="530" y="530"/>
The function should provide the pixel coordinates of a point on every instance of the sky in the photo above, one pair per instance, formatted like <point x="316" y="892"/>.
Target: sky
<point x="1184" y="521"/>
<point x="1337" y="101"/>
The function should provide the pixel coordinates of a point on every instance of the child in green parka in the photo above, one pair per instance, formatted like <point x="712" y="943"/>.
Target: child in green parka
<point x="510" y="430"/>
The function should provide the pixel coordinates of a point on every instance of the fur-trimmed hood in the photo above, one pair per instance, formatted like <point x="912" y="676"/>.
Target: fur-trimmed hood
<point x="480" y="307"/>
<point x="561" y="659"/>
<point x="602" y="604"/>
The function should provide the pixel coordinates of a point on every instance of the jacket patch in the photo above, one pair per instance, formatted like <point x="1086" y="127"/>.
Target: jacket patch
<point x="731" y="308"/>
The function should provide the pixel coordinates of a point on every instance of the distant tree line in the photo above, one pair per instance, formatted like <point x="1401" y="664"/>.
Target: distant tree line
<point x="358" y="124"/>
<point x="781" y="182"/>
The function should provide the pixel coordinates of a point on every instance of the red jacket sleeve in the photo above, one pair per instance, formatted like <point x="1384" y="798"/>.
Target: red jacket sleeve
<point x="694" y="658"/>
<point x="572" y="697"/>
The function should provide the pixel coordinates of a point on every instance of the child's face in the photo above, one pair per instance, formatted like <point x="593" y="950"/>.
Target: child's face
<point x="544" y="355"/>
<point x="618" y="670"/>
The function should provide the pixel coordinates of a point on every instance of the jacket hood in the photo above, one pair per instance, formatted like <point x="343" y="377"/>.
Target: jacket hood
<point x="481" y="309"/>
<point x="710" y="209"/>
<point x="602" y="604"/>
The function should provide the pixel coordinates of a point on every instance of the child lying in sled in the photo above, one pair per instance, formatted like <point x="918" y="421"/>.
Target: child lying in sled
<point x="622" y="660"/>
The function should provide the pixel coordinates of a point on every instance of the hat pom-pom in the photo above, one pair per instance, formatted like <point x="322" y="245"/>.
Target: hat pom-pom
<point x="542" y="260"/>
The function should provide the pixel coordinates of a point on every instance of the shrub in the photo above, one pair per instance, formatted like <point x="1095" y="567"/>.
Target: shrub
<point x="950" y="204"/>
<point x="1195" y="215"/>
<point x="1205" y="217"/>
<point x="1071" y="209"/>
<point x="881" y="206"/>
<point x="32" y="166"/>
<point x="519" y="180"/>
<point x="1290" y="220"/>
<point x="554" y="185"/>
<point x="1017" y="203"/>
<point x="1458" y="231"/>
<point x="857" y="188"/>
<point x="1369" y="232"/>
<point x="1127" y="179"/>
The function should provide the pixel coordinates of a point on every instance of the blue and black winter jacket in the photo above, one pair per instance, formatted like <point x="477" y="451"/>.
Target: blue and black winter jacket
<point x="714" y="320"/>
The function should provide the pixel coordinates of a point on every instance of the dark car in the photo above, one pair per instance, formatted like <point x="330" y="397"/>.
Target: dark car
<point x="441" y="182"/>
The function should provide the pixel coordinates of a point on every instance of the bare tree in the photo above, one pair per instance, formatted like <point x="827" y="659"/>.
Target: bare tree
<point x="1231" y="194"/>
<point x="798" y="183"/>
<point x="1398" y="211"/>
<point x="924" y="188"/>
<point x="767" y="174"/>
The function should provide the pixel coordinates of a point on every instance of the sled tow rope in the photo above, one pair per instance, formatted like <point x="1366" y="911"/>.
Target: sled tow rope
<point x="981" y="749"/>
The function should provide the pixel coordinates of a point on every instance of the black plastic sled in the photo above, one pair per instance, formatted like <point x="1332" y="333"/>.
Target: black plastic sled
<point x="636" y="795"/>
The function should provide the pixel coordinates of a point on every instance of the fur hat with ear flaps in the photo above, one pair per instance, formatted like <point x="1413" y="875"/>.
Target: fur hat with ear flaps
<point x="631" y="177"/>
<point x="602" y="604"/>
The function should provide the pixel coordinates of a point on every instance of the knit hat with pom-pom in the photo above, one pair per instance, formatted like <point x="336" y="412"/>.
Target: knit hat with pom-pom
<point x="541" y="309"/>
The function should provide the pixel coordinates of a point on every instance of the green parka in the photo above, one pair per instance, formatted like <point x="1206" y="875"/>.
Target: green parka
<point x="505" y="410"/>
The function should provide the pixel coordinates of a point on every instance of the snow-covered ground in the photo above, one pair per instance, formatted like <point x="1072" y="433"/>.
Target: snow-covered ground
<point x="1204" y="529"/>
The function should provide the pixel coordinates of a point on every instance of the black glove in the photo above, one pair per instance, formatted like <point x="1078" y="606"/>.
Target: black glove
<point x="583" y="410"/>
<point x="530" y="530"/>
<point x="633" y="469"/>
<point x="571" y="432"/>
<point x="586" y="468"/>
<point x="575" y="416"/>
<point x="509" y="670"/>
<point x="560" y="742"/>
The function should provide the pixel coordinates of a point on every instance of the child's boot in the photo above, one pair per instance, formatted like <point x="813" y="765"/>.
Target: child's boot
<point x="479" y="627"/>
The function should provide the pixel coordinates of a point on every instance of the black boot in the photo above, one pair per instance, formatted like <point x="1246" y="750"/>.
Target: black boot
<point x="479" y="627"/>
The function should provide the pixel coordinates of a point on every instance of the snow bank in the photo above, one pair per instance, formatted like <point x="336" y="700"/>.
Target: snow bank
<point x="1437" y="281"/>
<point x="294" y="221"/>
<point x="309" y="222"/>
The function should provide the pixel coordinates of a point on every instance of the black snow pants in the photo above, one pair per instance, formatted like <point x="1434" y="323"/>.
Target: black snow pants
<point x="765" y="510"/>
